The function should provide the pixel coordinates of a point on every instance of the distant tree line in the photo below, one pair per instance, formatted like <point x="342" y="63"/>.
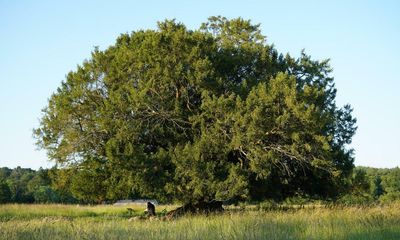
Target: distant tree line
<point x="24" y="185"/>
<point x="373" y="184"/>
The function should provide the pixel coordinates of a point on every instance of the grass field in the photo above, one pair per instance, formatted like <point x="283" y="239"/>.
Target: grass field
<point x="111" y="222"/>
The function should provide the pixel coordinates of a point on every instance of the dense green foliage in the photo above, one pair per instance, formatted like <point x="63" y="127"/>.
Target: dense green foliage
<point x="5" y="192"/>
<point x="210" y="114"/>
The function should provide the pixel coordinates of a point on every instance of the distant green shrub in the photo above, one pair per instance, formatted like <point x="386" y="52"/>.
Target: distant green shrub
<point x="297" y="200"/>
<point x="45" y="194"/>
<point x="390" y="197"/>
<point x="5" y="193"/>
<point x="350" y="199"/>
<point x="267" y="205"/>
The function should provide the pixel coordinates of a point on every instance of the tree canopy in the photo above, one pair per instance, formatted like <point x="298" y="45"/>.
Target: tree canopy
<point x="198" y="115"/>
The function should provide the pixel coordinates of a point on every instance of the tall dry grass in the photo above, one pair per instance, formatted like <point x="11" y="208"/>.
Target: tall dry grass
<point x="109" y="222"/>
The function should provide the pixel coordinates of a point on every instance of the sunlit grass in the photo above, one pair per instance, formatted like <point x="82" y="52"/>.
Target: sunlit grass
<point x="111" y="222"/>
<point x="33" y="211"/>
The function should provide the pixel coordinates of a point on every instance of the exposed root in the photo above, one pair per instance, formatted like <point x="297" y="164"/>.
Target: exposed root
<point x="198" y="208"/>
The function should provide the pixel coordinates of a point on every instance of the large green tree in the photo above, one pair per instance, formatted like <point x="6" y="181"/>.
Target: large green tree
<point x="196" y="116"/>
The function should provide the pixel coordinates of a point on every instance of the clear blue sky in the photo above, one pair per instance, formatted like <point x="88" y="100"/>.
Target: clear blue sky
<point x="40" y="41"/>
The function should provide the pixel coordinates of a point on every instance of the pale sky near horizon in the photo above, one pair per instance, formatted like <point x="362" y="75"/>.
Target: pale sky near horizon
<point x="41" y="41"/>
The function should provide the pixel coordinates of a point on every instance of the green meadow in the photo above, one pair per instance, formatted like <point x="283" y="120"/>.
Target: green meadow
<point x="248" y="222"/>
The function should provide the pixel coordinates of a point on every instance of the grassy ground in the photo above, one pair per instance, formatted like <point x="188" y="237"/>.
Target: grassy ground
<point x="110" y="222"/>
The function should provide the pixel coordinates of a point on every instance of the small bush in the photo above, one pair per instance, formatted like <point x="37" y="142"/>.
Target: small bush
<point x="297" y="200"/>
<point x="350" y="199"/>
<point x="390" y="197"/>
<point x="268" y="205"/>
